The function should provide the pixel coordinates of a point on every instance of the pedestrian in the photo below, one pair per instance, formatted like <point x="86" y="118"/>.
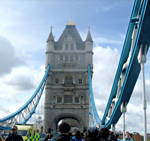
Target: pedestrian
<point x="13" y="136"/>
<point x="104" y="134"/>
<point x="77" y="136"/>
<point x="128" y="137"/>
<point x="63" y="135"/>
<point x="48" y="137"/>
<point x="92" y="134"/>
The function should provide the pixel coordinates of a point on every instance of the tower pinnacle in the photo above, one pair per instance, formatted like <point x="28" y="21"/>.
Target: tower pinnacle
<point x="50" y="37"/>
<point x="89" y="37"/>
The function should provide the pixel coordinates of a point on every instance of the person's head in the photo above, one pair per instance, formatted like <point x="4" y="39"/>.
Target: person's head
<point x="112" y="136"/>
<point x="92" y="134"/>
<point x="64" y="127"/>
<point x="14" y="129"/>
<point x="104" y="133"/>
<point x="78" y="134"/>
<point x="74" y="130"/>
<point x="128" y="135"/>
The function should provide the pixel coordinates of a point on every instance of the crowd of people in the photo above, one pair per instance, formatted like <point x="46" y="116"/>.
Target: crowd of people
<point x="66" y="134"/>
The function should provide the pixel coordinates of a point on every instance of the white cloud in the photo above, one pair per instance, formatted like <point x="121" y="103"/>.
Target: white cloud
<point x="105" y="64"/>
<point x="18" y="91"/>
<point x="21" y="78"/>
<point x="105" y="61"/>
<point x="8" y="57"/>
<point x="102" y="40"/>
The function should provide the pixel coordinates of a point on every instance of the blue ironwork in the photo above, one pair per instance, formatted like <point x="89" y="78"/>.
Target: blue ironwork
<point x="140" y="27"/>
<point x="22" y="115"/>
<point x="93" y="111"/>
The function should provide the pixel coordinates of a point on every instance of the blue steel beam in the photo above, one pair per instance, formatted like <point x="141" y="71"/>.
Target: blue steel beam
<point x="36" y="96"/>
<point x="134" y="68"/>
<point x="92" y="102"/>
<point x="123" y="58"/>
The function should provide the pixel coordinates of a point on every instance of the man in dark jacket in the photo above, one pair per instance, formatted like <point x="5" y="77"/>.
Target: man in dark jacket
<point x="63" y="134"/>
<point x="14" y="136"/>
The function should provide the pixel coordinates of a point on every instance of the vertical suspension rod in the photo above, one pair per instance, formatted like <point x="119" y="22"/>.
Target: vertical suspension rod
<point x="142" y="60"/>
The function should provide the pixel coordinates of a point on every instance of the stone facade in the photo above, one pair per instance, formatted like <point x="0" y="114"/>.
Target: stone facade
<point x="66" y="94"/>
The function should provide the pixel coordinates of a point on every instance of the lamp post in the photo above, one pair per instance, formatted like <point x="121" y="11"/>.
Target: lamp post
<point x="123" y="110"/>
<point x="142" y="61"/>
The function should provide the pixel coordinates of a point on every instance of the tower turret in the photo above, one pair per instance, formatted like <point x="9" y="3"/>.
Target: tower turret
<point x="89" y="48"/>
<point x="50" y="47"/>
<point x="89" y="41"/>
<point x="89" y="37"/>
<point x="50" y="37"/>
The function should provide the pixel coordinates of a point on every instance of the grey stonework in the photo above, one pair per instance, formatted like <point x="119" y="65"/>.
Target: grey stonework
<point x="66" y="92"/>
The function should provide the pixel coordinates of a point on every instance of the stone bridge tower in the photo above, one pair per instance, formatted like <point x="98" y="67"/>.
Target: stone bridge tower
<point x="66" y="95"/>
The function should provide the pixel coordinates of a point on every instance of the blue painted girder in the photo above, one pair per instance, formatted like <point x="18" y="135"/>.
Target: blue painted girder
<point x="133" y="69"/>
<point x="28" y="116"/>
<point x="123" y="58"/>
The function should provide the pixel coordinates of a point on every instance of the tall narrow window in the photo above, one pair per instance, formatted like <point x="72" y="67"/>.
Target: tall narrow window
<point x="76" y="99"/>
<point x="61" y="57"/>
<point x="72" y="46"/>
<point x="66" y="46"/>
<point x="71" y="58"/>
<point x="56" y="80"/>
<point x="59" y="99"/>
<point x="77" y="58"/>
<point x="80" y="81"/>
<point x="66" y="58"/>
<point x="54" y="99"/>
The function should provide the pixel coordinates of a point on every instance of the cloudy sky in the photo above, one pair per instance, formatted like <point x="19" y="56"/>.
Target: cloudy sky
<point x="24" y="28"/>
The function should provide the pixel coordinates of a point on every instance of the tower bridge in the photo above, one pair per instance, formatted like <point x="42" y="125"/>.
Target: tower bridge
<point x="68" y="77"/>
<point x="67" y="85"/>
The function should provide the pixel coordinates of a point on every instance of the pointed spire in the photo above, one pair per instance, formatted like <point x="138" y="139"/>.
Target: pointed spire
<point x="50" y="37"/>
<point x="89" y="37"/>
